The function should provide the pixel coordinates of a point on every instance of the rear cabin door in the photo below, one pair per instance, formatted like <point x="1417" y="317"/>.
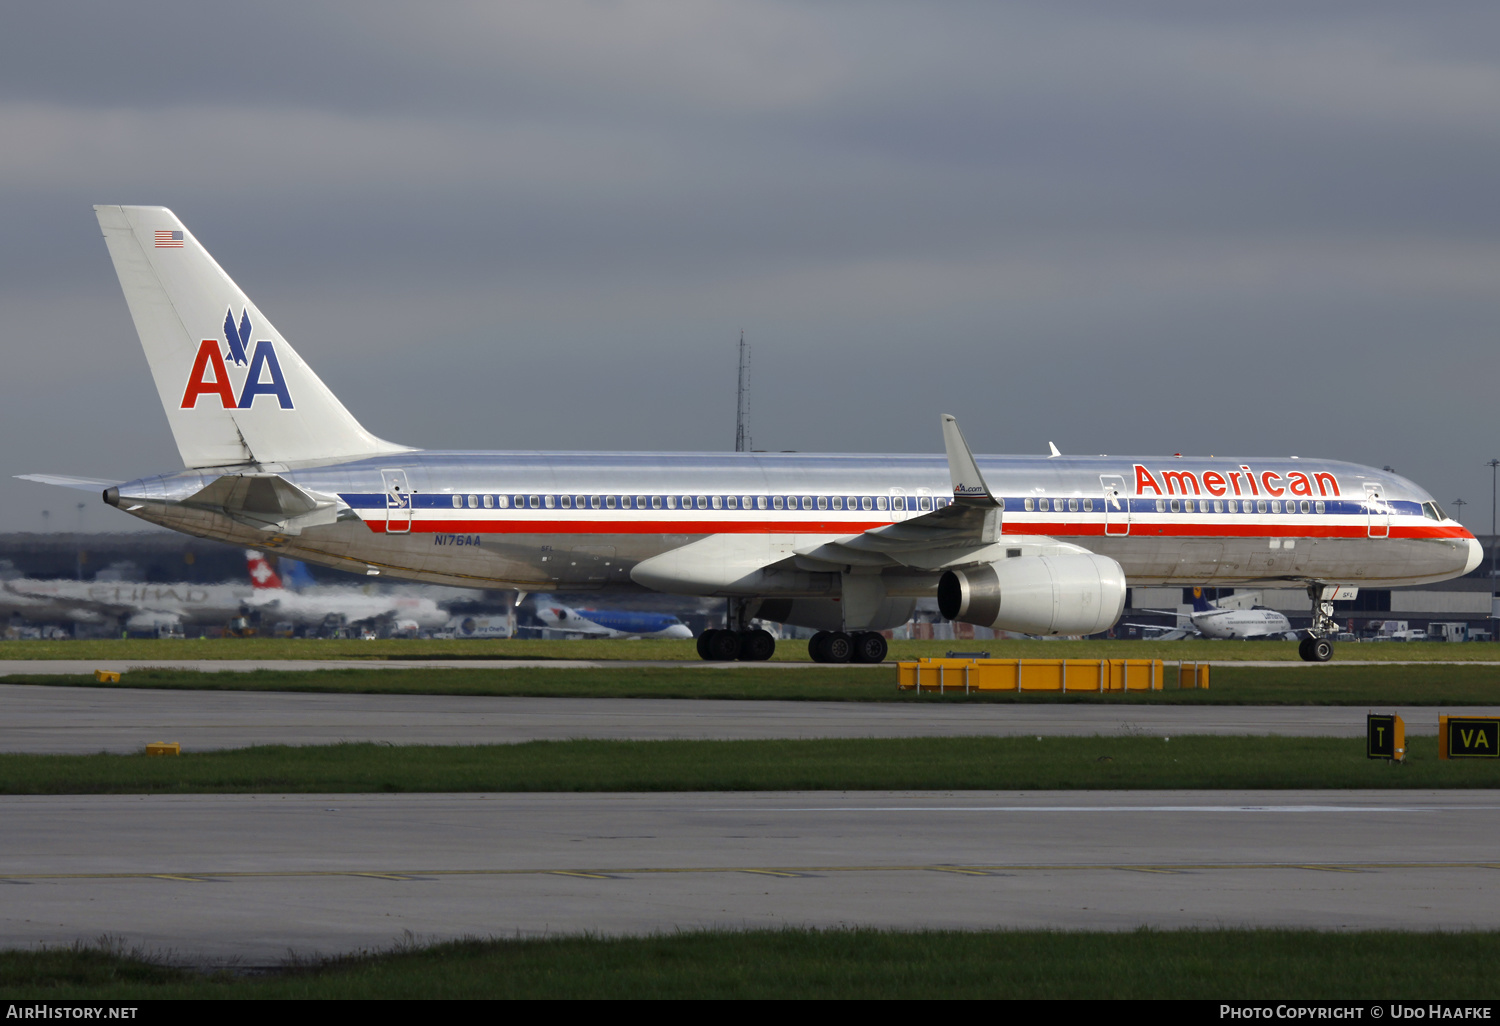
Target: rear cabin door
<point x="397" y="502"/>
<point x="1116" y="505"/>
<point x="1377" y="513"/>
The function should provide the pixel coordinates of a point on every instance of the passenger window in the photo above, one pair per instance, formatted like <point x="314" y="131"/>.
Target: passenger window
<point x="1072" y="505"/>
<point x="458" y="502"/>
<point x="610" y="502"/>
<point x="640" y="502"/>
<point x="926" y="503"/>
<point x="489" y="502"/>
<point x="1187" y="504"/>
<point x="625" y="502"/>
<point x="717" y="502"/>
<point x="473" y="502"/>
<point x="1260" y="505"/>
<point x="656" y="502"/>
<point x="1232" y="506"/>
<point x="778" y="502"/>
<point x="807" y="502"/>
<point x="1161" y="505"/>
<point x="1088" y="505"/>
<point x="1176" y="505"/>
<point x="1305" y="505"/>
<point x="595" y="502"/>
<point x="760" y="502"/>
<point x="1320" y="506"/>
<point x="566" y="500"/>
<point x="864" y="502"/>
<point x="1275" y="505"/>
<point x="520" y="501"/>
<point x="898" y="502"/>
<point x="503" y="501"/>
<point x="880" y="502"/>
<point x="822" y="502"/>
<point x="838" y="502"/>
<point x="703" y="502"/>
<point x="550" y="501"/>
<point x="1218" y="505"/>
<point x="687" y="502"/>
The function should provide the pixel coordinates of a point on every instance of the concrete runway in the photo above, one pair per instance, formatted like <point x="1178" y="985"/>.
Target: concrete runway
<point x="80" y="720"/>
<point x="254" y="878"/>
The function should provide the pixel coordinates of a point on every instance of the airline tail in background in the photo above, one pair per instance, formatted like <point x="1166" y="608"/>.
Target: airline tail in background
<point x="1201" y="604"/>
<point x="263" y="576"/>
<point x="235" y="391"/>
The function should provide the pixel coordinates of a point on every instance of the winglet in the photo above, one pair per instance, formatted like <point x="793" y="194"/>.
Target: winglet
<point x="968" y="484"/>
<point x="1054" y="450"/>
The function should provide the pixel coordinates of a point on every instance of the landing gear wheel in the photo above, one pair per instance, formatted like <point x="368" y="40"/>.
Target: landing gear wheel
<point x="722" y="646"/>
<point x="756" y="646"/>
<point x="1302" y="650"/>
<point x="1319" y="650"/>
<point x="703" y="643"/>
<point x="869" y="647"/>
<point x="838" y="648"/>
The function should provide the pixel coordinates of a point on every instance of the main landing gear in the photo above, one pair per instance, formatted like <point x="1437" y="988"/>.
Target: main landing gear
<point x="739" y="641"/>
<point x="838" y="647"/>
<point x="721" y="646"/>
<point x="1317" y="647"/>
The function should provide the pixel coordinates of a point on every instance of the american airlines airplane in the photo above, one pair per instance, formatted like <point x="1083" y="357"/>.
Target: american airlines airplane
<point x="843" y="544"/>
<point x="608" y="623"/>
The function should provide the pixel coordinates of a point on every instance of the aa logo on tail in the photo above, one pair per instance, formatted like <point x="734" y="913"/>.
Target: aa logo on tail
<point x="210" y="373"/>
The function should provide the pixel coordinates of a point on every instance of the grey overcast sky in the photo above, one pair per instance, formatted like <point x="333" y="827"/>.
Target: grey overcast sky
<point x="1233" y="228"/>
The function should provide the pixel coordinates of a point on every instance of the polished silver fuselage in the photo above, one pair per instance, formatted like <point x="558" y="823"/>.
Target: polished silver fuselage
<point x="582" y="521"/>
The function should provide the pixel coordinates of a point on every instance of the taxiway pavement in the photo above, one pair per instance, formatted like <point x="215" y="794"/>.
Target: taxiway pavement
<point x="39" y="719"/>
<point x="254" y="878"/>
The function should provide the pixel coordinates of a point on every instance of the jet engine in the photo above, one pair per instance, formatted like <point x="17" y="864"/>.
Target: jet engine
<point x="1069" y="594"/>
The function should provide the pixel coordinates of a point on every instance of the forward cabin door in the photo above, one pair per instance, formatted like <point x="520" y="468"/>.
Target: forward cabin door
<point x="397" y="502"/>
<point x="1116" y="505"/>
<point x="1377" y="513"/>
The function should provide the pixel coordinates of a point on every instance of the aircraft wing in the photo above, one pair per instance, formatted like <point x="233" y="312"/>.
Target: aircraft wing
<point x="962" y="533"/>
<point x="1186" y="628"/>
<point x="965" y="531"/>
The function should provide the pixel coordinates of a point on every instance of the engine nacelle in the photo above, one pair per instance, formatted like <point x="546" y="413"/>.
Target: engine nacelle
<point x="1071" y="594"/>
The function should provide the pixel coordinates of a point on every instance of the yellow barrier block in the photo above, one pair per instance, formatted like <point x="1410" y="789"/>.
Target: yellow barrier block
<point x="106" y="676"/>
<point x="1097" y="675"/>
<point x="164" y="748"/>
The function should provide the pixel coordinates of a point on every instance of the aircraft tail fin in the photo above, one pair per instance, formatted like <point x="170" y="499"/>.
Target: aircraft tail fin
<point x="234" y="390"/>
<point x="1201" y="604"/>
<point x="263" y="576"/>
<point x="295" y="573"/>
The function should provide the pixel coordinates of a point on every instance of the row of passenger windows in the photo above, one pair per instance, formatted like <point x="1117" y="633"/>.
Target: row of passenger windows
<point x="916" y="503"/>
<point x="1185" y="505"/>
<point x="1236" y="506"/>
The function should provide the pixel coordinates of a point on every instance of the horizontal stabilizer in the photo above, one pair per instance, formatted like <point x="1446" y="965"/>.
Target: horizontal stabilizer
<point x="266" y="501"/>
<point x="82" y="484"/>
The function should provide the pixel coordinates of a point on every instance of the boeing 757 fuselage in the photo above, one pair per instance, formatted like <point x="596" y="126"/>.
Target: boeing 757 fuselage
<point x="843" y="543"/>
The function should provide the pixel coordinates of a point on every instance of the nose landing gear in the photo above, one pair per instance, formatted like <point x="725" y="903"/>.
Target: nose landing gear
<point x="1317" y="647"/>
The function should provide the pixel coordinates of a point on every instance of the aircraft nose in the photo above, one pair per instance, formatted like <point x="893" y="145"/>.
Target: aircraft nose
<point x="1476" y="554"/>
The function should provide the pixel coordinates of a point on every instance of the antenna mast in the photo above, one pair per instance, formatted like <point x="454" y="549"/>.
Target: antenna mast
<point x="742" y="401"/>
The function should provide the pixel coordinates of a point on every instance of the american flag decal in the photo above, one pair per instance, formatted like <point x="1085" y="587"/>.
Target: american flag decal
<point x="169" y="240"/>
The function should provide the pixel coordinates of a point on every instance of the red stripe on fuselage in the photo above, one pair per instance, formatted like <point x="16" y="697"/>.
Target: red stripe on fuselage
<point x="1054" y="529"/>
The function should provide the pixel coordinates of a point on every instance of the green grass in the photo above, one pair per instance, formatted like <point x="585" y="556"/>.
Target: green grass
<point x="1217" y="965"/>
<point x="861" y="764"/>
<point x="789" y="650"/>
<point x="1350" y="684"/>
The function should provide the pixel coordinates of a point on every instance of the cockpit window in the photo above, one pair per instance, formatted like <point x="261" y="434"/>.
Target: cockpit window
<point x="1433" y="511"/>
